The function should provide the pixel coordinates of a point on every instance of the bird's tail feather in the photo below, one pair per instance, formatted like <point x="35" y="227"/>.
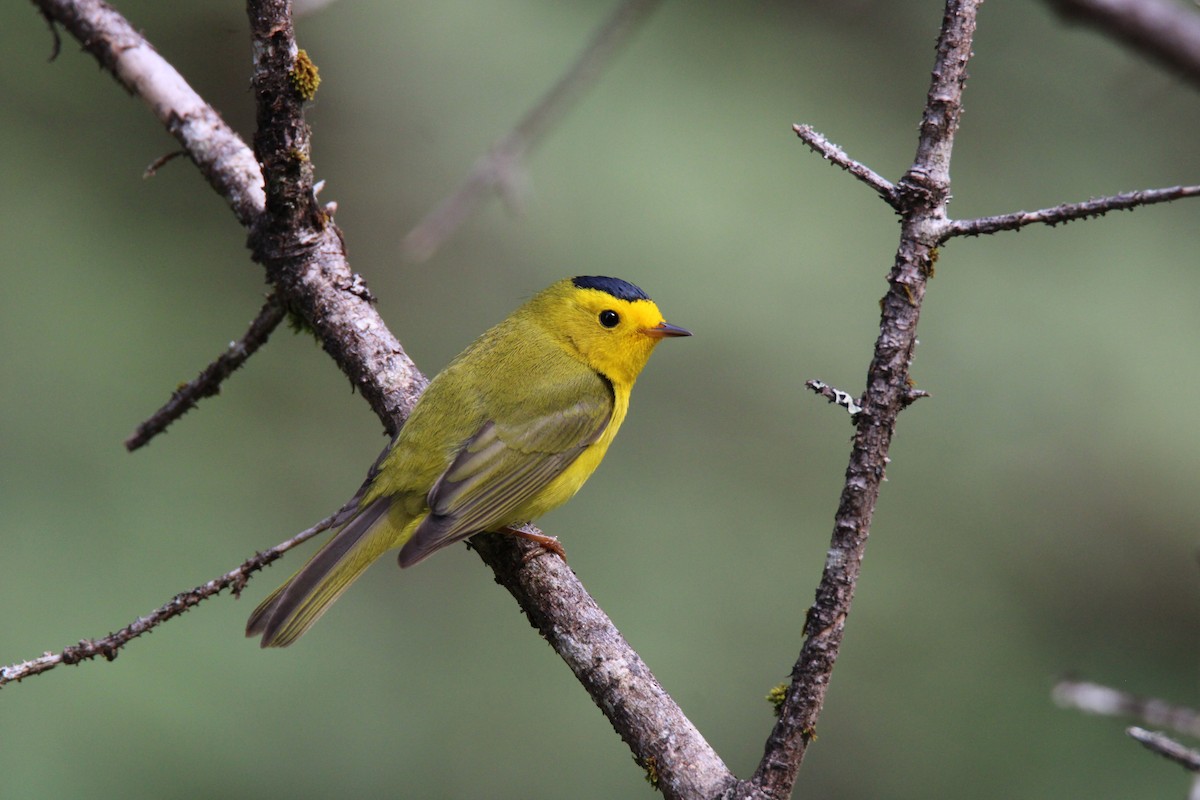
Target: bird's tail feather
<point x="292" y="609"/>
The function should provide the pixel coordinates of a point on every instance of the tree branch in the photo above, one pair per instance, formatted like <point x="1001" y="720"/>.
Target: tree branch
<point x="1167" y="747"/>
<point x="349" y="328"/>
<point x="836" y="155"/>
<point x="1095" y="698"/>
<point x="208" y="382"/>
<point x="1067" y="212"/>
<point x="1166" y="31"/>
<point x="922" y="194"/>
<point x="677" y="759"/>
<point x="500" y="167"/>
<point x="211" y="144"/>
<point x="109" y="646"/>
<point x="303" y="252"/>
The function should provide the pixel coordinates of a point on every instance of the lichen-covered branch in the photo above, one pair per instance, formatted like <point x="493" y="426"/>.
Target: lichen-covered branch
<point x="835" y="396"/>
<point x="297" y="241"/>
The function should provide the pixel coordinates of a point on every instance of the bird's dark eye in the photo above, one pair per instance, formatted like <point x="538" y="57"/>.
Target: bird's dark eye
<point x="609" y="318"/>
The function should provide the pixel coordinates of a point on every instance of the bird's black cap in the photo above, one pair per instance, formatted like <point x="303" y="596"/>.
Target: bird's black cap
<point x="622" y="290"/>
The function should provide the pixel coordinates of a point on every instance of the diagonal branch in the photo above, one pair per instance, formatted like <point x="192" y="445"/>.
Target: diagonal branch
<point x="108" y="646"/>
<point x="1095" y="698"/>
<point x="837" y="156"/>
<point x="308" y="266"/>
<point x="211" y="144"/>
<point x="1164" y="30"/>
<point x="1166" y="747"/>
<point x="500" y="168"/>
<point x="665" y="743"/>
<point x="1067" y="212"/>
<point x="208" y="382"/>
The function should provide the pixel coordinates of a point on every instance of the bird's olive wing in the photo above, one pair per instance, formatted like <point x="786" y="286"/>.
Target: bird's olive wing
<point x="502" y="468"/>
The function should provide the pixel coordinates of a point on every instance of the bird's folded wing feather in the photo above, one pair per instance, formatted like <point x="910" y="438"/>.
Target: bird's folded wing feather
<point x="502" y="467"/>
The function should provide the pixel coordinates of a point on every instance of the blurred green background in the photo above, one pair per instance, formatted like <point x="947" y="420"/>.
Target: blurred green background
<point x="1041" y="511"/>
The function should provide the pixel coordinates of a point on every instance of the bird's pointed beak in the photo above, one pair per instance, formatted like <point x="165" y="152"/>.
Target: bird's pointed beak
<point x="664" y="329"/>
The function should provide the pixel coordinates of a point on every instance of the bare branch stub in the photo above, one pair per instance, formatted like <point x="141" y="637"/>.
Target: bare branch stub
<point x="836" y="155"/>
<point x="1166" y="747"/>
<point x="836" y="396"/>
<point x="160" y="162"/>
<point x="912" y="396"/>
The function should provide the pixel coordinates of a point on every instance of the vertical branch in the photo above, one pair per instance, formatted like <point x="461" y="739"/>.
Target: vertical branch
<point x="298" y="243"/>
<point x="281" y="137"/>
<point x="922" y="194"/>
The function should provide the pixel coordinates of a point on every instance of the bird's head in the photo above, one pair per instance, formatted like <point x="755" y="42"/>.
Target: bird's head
<point x="609" y="323"/>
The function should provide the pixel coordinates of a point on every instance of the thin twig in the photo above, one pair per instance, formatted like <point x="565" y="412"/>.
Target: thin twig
<point x="1095" y="698"/>
<point x="1167" y="747"/>
<point x="208" y="382"/>
<point x="161" y="161"/>
<point x="500" y="168"/>
<point x="913" y="395"/>
<point x="836" y="155"/>
<point x="1164" y="30"/>
<point x="1066" y="212"/>
<point x="108" y="646"/>
<point x="922" y="194"/>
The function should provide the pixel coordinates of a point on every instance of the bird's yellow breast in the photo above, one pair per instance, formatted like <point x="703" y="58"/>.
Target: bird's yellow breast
<point x="564" y="487"/>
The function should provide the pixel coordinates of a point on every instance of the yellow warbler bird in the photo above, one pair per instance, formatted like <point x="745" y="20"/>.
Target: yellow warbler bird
<point x="510" y="429"/>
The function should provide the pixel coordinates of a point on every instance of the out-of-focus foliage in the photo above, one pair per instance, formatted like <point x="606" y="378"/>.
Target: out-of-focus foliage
<point x="1041" y="513"/>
